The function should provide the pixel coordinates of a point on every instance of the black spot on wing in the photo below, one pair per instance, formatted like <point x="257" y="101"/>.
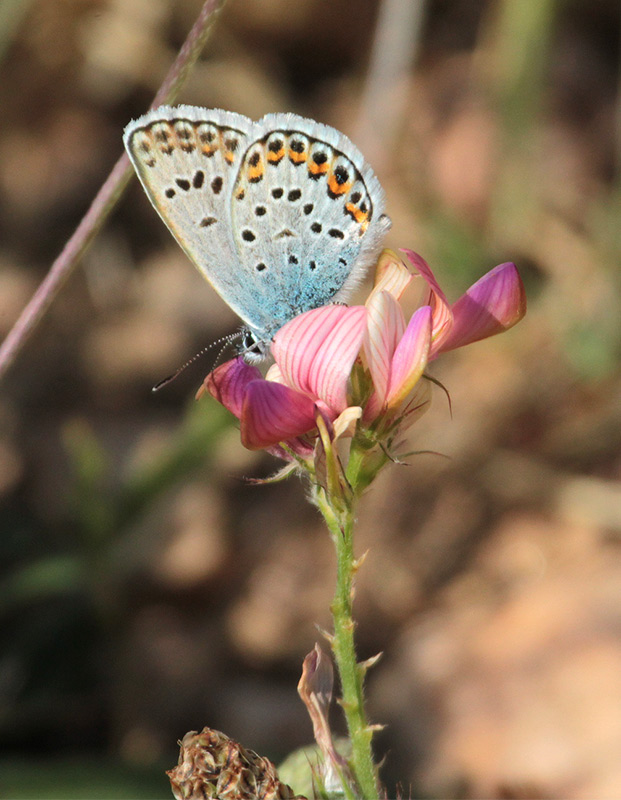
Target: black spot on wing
<point x="341" y="175"/>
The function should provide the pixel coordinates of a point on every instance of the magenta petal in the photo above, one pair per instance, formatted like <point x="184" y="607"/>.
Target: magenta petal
<point x="495" y="303"/>
<point x="410" y="358"/>
<point x="228" y="383"/>
<point x="273" y="413"/>
<point x="442" y="313"/>
<point x="317" y="349"/>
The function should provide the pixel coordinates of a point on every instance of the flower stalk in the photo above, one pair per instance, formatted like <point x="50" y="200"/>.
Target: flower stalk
<point x="340" y="523"/>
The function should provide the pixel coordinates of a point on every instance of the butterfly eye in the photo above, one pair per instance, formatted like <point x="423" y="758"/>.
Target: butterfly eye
<point x="250" y="345"/>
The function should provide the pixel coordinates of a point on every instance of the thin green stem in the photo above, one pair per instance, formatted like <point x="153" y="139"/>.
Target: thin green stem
<point x="341" y="525"/>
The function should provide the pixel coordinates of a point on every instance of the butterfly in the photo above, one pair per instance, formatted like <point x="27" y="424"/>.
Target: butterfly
<point x="281" y="215"/>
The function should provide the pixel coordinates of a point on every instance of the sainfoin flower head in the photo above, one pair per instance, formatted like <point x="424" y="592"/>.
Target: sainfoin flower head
<point x="359" y="368"/>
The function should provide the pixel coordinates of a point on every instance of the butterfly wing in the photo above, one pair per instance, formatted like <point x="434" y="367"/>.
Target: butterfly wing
<point x="307" y="217"/>
<point x="187" y="159"/>
<point x="281" y="216"/>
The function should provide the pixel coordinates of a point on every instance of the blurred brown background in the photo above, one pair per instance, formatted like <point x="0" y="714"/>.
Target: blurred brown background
<point x="146" y="589"/>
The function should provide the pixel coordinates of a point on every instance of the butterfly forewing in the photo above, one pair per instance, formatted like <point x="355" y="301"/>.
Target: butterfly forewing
<point x="187" y="160"/>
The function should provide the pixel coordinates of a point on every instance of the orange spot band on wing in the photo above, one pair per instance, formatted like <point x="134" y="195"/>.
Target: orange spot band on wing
<point x="297" y="158"/>
<point x="336" y="187"/>
<point x="274" y="158"/>
<point x="318" y="169"/>
<point x="356" y="213"/>
<point x="255" y="173"/>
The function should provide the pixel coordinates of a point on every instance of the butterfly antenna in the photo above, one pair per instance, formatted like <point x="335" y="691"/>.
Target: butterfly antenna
<point x="226" y="339"/>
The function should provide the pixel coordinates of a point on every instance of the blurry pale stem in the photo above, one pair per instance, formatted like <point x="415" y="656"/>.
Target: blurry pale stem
<point x="340" y="521"/>
<point x="384" y="100"/>
<point x="105" y="199"/>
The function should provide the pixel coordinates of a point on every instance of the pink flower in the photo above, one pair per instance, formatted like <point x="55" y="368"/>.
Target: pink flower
<point x="363" y="364"/>
<point x="314" y="355"/>
<point x="495" y="303"/>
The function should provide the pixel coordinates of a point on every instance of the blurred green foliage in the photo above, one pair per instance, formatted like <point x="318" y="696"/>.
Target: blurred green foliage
<point x="74" y="779"/>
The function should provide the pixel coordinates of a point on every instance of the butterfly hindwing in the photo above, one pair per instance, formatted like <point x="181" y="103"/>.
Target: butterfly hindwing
<point x="303" y="217"/>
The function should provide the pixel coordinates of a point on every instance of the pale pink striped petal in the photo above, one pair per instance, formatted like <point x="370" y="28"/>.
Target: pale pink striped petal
<point x="391" y="275"/>
<point x="385" y="327"/>
<point x="373" y="407"/>
<point x="296" y="344"/>
<point x="495" y="303"/>
<point x="228" y="383"/>
<point x="274" y="374"/>
<point x="442" y="313"/>
<point x="274" y="413"/>
<point x="317" y="349"/>
<point x="410" y="358"/>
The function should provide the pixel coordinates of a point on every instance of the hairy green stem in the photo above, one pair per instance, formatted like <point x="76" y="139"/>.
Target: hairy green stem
<point x="340" y="521"/>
